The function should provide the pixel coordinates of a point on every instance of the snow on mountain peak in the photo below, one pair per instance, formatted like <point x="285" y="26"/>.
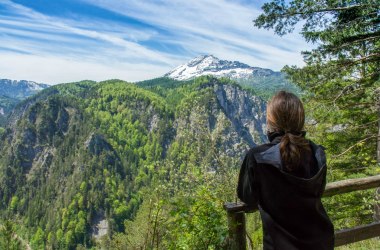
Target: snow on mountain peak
<point x="20" y="89"/>
<point x="211" y="65"/>
<point x="205" y="59"/>
<point x="33" y="85"/>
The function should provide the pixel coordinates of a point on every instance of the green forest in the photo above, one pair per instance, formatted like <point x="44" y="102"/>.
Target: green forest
<point x="153" y="162"/>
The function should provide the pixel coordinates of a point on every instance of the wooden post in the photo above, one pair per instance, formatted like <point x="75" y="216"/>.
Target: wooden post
<point x="236" y="226"/>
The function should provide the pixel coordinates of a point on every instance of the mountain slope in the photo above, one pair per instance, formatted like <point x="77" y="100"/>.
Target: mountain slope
<point x="79" y="156"/>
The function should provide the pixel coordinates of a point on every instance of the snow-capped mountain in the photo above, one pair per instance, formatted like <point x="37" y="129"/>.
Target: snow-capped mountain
<point x="20" y="89"/>
<point x="210" y="65"/>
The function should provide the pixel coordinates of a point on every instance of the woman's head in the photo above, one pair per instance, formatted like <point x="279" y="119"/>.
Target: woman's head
<point x="285" y="114"/>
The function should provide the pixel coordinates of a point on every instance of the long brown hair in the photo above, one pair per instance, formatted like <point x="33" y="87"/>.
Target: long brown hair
<point x="286" y="115"/>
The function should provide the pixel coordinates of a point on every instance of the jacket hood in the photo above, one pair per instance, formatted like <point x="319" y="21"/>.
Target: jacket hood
<point x="272" y="157"/>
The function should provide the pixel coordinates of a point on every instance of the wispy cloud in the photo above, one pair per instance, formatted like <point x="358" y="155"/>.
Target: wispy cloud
<point x="67" y="28"/>
<point x="49" y="48"/>
<point x="225" y="27"/>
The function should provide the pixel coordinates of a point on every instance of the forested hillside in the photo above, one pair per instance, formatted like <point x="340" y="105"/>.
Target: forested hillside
<point x="83" y="155"/>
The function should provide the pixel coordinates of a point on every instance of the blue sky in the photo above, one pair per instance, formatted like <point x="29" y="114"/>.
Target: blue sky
<point x="70" y="40"/>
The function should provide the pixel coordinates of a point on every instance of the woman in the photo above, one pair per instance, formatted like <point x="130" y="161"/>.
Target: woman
<point x="285" y="178"/>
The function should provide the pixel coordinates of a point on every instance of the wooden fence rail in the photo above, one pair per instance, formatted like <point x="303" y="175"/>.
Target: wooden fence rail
<point x="236" y="215"/>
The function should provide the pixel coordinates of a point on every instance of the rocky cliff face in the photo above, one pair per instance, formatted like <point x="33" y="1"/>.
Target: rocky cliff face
<point x="245" y="111"/>
<point x="232" y="115"/>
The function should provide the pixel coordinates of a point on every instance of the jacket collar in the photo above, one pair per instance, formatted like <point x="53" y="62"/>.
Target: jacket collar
<point x="275" y="137"/>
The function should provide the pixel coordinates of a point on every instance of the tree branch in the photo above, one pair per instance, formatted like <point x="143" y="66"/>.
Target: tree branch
<point x="344" y="90"/>
<point x="326" y="10"/>
<point x="332" y="48"/>
<point x="351" y="147"/>
<point x="365" y="125"/>
<point x="364" y="58"/>
<point x="366" y="104"/>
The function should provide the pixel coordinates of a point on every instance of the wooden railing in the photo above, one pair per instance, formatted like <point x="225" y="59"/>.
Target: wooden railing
<point x="236" y="215"/>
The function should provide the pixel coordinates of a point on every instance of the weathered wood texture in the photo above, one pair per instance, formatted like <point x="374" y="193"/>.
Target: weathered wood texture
<point x="236" y="218"/>
<point x="350" y="185"/>
<point x="236" y="231"/>
<point x="351" y="235"/>
<point x="232" y="207"/>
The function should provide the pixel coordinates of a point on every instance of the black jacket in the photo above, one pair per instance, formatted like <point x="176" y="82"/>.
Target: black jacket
<point x="289" y="202"/>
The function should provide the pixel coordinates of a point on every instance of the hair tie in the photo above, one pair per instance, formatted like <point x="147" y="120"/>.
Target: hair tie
<point x="300" y="133"/>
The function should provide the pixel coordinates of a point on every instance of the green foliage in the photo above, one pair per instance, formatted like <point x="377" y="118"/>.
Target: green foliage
<point x="6" y="106"/>
<point x="14" y="203"/>
<point x="163" y="82"/>
<point x="340" y="85"/>
<point x="7" y="103"/>
<point x="75" y="89"/>
<point x="185" y="211"/>
<point x="8" y="238"/>
<point x="38" y="239"/>
<point x="197" y="221"/>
